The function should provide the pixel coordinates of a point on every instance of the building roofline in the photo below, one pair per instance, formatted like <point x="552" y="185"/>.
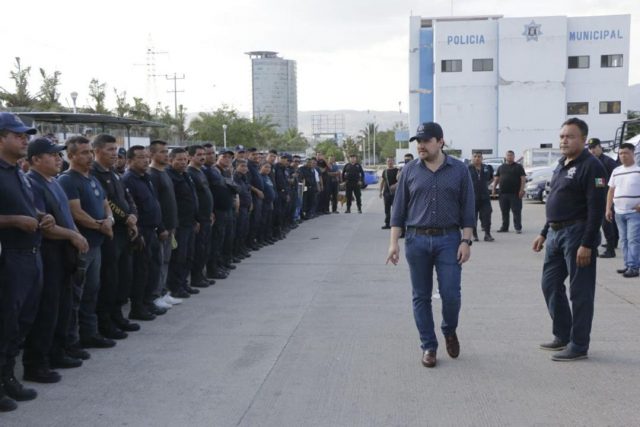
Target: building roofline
<point x="428" y="22"/>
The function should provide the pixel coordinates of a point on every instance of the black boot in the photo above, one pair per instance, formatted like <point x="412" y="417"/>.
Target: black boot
<point x="488" y="237"/>
<point x="6" y="403"/>
<point x="609" y="252"/>
<point x="475" y="234"/>
<point x="13" y="387"/>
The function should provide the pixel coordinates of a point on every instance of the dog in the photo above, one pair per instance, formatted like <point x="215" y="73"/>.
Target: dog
<point x="342" y="199"/>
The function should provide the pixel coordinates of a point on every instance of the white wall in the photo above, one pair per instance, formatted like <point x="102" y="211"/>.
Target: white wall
<point x="466" y="102"/>
<point x="597" y="84"/>
<point x="531" y="91"/>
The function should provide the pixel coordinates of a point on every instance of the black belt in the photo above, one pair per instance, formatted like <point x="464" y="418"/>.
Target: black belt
<point x="33" y="249"/>
<point x="433" y="231"/>
<point x="555" y="226"/>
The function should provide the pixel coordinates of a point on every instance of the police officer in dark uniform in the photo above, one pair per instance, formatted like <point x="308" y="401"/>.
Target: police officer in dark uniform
<point x="45" y="344"/>
<point x="242" y="227"/>
<point x="575" y="208"/>
<point x="187" y="202"/>
<point x="281" y="174"/>
<point x="219" y="262"/>
<point x="257" y="195"/>
<point x="610" y="229"/>
<point x="202" y="245"/>
<point x="147" y="258"/>
<point x="116" y="269"/>
<point x="388" y="185"/>
<point x="308" y="177"/>
<point x="21" y="220"/>
<point x="481" y="176"/>
<point x="353" y="175"/>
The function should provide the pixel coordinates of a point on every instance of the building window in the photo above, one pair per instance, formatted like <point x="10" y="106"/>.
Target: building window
<point x="611" y="61"/>
<point x="577" y="108"/>
<point x="610" y="107"/>
<point x="578" y="62"/>
<point x="483" y="64"/>
<point x="451" y="65"/>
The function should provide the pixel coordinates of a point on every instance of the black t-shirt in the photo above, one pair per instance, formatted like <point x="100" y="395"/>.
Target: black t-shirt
<point x="390" y="178"/>
<point x="510" y="177"/>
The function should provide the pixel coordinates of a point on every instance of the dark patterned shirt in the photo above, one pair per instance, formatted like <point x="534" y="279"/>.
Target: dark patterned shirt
<point x="440" y="199"/>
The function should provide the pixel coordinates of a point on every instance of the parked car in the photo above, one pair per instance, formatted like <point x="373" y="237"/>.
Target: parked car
<point x="370" y="177"/>
<point x="537" y="180"/>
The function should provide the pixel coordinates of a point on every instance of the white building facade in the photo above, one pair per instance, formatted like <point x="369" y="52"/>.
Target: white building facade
<point x="498" y="84"/>
<point x="275" y="93"/>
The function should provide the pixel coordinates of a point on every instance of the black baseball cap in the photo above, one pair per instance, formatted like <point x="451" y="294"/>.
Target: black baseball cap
<point x="43" y="146"/>
<point x="225" y="151"/>
<point x="240" y="149"/>
<point x="427" y="131"/>
<point x="12" y="123"/>
<point x="594" y="142"/>
<point x="122" y="152"/>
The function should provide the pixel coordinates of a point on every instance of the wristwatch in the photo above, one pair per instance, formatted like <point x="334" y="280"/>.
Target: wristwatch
<point x="467" y="241"/>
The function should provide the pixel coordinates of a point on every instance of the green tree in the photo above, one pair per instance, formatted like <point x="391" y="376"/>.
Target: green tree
<point x="350" y="147"/>
<point x="48" y="96"/>
<point x="97" y="92"/>
<point x="386" y="144"/>
<point x="122" y="106"/>
<point x="633" y="129"/>
<point x="329" y="147"/>
<point x="292" y="140"/>
<point x="21" y="97"/>
<point x="140" y="110"/>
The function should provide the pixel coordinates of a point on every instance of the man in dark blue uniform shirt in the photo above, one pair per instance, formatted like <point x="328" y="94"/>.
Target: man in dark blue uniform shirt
<point x="434" y="200"/>
<point x="44" y="347"/>
<point x="575" y="208"/>
<point x="92" y="214"/>
<point x="481" y="176"/>
<point x="116" y="270"/>
<point x="353" y="175"/>
<point x="257" y="194"/>
<point x="21" y="221"/>
<point x="187" y="202"/>
<point x="202" y="244"/>
<point x="242" y="229"/>
<point x="146" y="259"/>
<point x="610" y="229"/>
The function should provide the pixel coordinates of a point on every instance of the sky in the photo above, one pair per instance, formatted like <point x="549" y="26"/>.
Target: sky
<point x="351" y="54"/>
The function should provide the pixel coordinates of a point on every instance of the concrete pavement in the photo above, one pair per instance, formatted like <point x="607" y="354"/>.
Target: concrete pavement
<point x="317" y="331"/>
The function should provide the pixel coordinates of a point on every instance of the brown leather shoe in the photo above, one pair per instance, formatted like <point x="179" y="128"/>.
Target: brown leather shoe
<point x="429" y="359"/>
<point x="453" y="346"/>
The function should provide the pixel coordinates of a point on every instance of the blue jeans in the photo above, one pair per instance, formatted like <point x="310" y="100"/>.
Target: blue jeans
<point x="570" y="324"/>
<point x="629" y="228"/>
<point x="423" y="254"/>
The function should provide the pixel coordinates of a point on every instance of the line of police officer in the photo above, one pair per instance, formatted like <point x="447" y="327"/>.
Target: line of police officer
<point x="77" y="246"/>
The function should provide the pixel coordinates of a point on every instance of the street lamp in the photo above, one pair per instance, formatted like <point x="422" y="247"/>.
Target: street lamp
<point x="74" y="97"/>
<point x="224" y="135"/>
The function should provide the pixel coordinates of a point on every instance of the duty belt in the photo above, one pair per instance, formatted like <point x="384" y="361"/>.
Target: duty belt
<point x="555" y="226"/>
<point x="433" y="231"/>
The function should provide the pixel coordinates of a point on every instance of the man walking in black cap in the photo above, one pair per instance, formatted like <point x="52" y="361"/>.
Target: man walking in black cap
<point x="434" y="200"/>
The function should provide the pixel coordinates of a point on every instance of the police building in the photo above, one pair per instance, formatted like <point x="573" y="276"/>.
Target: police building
<point x="498" y="84"/>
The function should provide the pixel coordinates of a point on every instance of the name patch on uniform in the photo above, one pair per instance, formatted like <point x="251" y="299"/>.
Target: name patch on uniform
<point x="600" y="183"/>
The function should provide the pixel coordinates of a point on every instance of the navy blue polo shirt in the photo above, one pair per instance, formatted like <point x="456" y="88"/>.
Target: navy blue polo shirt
<point x="18" y="198"/>
<point x="146" y="199"/>
<point x="186" y="198"/>
<point x="440" y="199"/>
<point x="205" y="198"/>
<point x="254" y="173"/>
<point x="578" y="192"/>
<point x="91" y="195"/>
<point x="61" y="212"/>
<point x="222" y="194"/>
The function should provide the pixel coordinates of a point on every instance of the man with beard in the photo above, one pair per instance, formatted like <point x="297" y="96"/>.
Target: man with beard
<point x="434" y="200"/>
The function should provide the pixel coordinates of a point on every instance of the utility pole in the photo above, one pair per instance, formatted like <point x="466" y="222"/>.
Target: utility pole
<point x="175" y="90"/>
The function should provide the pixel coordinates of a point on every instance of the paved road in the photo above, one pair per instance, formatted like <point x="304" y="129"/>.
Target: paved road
<point x="317" y="331"/>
